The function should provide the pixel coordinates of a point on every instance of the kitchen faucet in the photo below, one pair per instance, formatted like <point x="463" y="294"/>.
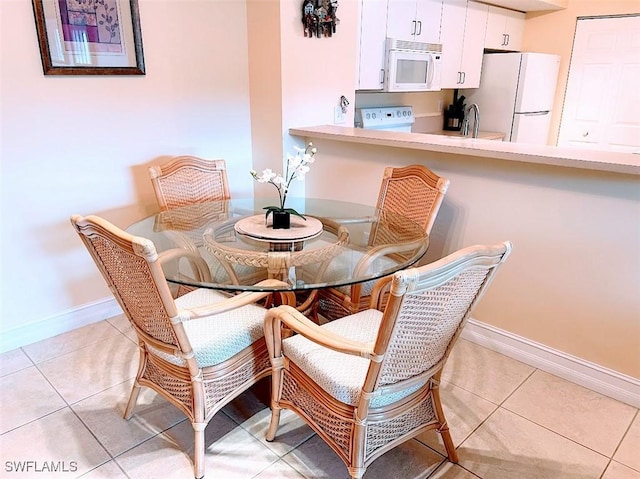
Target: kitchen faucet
<point x="467" y="120"/>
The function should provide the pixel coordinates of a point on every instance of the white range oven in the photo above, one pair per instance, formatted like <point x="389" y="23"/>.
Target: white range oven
<point x="388" y="118"/>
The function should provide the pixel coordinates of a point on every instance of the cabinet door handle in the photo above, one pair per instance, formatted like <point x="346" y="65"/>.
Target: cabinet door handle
<point x="381" y="76"/>
<point x="413" y="27"/>
<point x="419" y="28"/>
<point x="464" y="77"/>
<point x="504" y="39"/>
<point x="507" y="35"/>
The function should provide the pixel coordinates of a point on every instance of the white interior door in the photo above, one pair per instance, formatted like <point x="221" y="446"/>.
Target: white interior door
<point x="602" y="101"/>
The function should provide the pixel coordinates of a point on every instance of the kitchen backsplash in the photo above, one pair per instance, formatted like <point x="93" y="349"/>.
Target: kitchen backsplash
<point x="427" y="123"/>
<point x="423" y="103"/>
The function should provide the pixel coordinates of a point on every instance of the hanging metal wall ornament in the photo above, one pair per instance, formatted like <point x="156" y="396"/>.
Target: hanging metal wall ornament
<point x="319" y="18"/>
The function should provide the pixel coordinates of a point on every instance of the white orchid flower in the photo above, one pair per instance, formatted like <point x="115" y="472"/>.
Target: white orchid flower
<point x="267" y="175"/>
<point x="303" y="170"/>
<point x="296" y="168"/>
<point x="294" y="161"/>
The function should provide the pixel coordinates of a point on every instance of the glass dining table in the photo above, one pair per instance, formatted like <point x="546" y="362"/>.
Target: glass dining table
<point x="336" y="244"/>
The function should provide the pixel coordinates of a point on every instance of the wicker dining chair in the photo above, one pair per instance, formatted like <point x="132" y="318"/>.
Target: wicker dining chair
<point x="413" y="191"/>
<point x="190" y="181"/>
<point x="369" y="381"/>
<point x="185" y="180"/>
<point x="198" y="351"/>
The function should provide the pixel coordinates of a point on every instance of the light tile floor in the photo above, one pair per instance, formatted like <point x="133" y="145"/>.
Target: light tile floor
<point x="62" y="399"/>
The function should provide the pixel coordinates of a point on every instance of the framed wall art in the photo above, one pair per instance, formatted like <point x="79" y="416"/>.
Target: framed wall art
<point x="89" y="37"/>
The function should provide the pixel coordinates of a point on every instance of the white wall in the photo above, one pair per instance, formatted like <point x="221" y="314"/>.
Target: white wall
<point x="81" y="144"/>
<point x="295" y="80"/>
<point x="571" y="283"/>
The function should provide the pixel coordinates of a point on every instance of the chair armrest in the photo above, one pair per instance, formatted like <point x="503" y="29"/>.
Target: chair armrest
<point x="356" y="220"/>
<point x="378" y="251"/>
<point x="181" y="240"/>
<point x="199" y="265"/>
<point x="378" y="298"/>
<point x="233" y="302"/>
<point x="297" y="322"/>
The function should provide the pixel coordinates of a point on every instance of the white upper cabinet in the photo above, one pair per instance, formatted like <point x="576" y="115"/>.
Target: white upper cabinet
<point x="414" y="20"/>
<point x="452" y="38"/>
<point x="462" y="35"/>
<point x="373" y="25"/>
<point x="504" y="29"/>
<point x="475" y="29"/>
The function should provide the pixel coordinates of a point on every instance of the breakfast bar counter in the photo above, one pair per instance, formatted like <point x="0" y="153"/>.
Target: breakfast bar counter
<point x="570" y="289"/>
<point x="610" y="161"/>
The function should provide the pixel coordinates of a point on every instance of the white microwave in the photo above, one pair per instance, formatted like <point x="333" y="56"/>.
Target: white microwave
<point x="412" y="66"/>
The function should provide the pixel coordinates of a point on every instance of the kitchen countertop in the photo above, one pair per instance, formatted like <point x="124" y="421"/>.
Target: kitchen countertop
<point x="611" y="161"/>
<point x="482" y="135"/>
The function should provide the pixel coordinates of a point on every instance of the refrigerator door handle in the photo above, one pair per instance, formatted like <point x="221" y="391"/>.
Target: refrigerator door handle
<point x="536" y="113"/>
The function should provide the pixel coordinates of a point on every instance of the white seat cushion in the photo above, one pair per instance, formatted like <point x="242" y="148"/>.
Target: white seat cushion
<point x="215" y="339"/>
<point x="339" y="374"/>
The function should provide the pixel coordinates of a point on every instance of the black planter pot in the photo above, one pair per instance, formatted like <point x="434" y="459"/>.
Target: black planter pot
<point x="281" y="220"/>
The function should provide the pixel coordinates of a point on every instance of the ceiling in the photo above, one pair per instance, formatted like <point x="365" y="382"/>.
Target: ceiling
<point x="530" y="5"/>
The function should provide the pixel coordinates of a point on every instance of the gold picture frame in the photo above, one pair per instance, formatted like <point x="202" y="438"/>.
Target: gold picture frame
<point x="89" y="37"/>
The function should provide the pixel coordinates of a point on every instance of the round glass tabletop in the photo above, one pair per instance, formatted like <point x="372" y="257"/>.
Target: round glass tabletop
<point x="356" y="243"/>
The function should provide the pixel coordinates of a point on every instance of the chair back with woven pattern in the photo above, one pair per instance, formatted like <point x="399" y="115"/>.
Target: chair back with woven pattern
<point x="186" y="180"/>
<point x="426" y="312"/>
<point x="129" y="265"/>
<point x="414" y="192"/>
<point x="187" y="224"/>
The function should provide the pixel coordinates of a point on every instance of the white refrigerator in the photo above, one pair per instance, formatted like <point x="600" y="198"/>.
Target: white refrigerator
<point x="516" y="95"/>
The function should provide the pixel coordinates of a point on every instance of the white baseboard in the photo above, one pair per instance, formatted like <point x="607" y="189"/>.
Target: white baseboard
<point x="590" y="375"/>
<point x="60" y="323"/>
